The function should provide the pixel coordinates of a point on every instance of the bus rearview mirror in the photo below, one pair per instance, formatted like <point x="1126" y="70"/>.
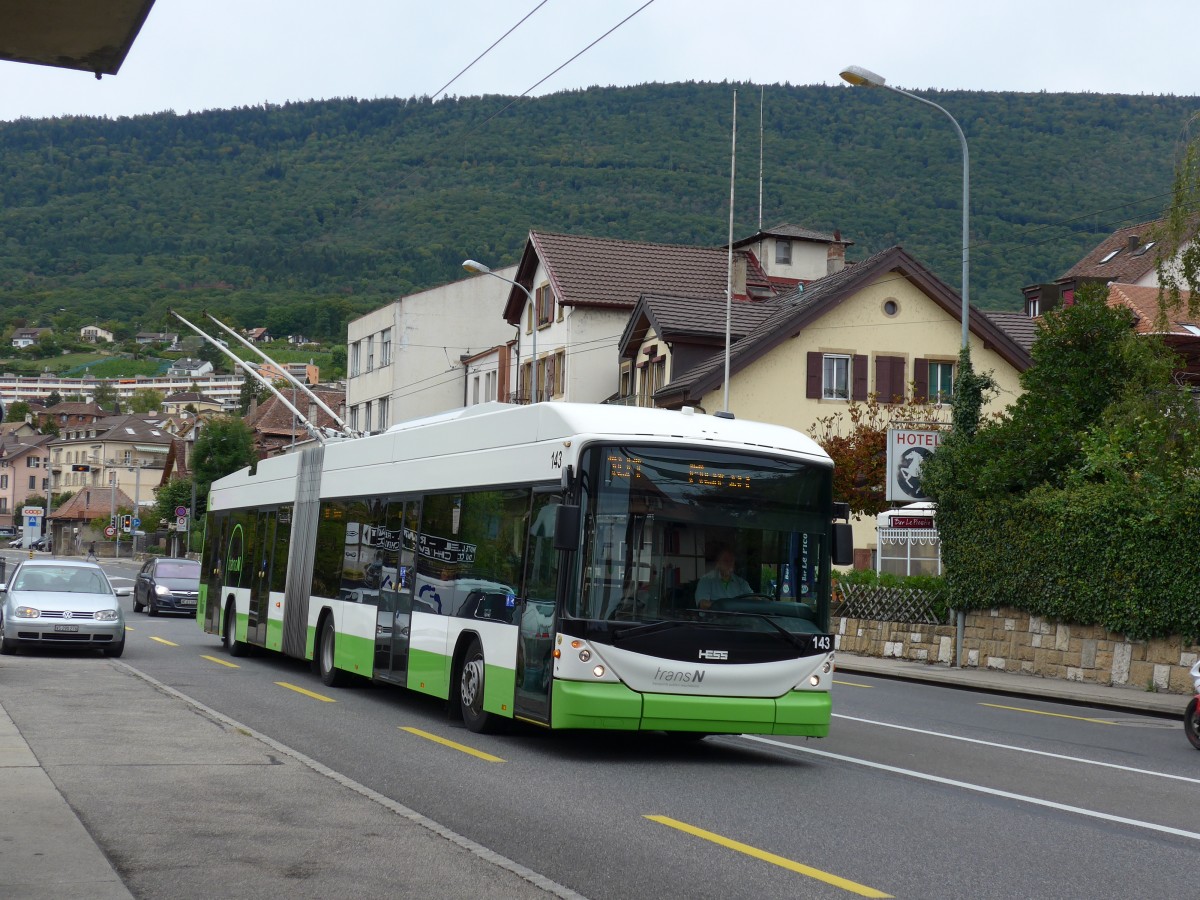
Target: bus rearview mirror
<point x="566" y="528"/>
<point x="843" y="544"/>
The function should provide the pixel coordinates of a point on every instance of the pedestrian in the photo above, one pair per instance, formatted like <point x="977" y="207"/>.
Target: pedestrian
<point x="92" y="552"/>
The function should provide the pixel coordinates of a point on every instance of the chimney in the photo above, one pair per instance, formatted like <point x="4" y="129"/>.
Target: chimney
<point x="1134" y="242"/>
<point x="739" y="275"/>
<point x="835" y="255"/>
<point x="312" y="412"/>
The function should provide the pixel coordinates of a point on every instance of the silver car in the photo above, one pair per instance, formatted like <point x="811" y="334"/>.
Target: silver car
<point x="61" y="603"/>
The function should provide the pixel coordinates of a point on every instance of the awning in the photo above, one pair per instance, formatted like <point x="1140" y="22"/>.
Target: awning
<point x="156" y="448"/>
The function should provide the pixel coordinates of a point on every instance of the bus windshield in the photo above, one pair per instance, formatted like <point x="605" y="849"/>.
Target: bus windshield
<point x="679" y="535"/>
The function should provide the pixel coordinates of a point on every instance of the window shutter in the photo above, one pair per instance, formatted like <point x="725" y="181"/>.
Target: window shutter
<point x="889" y="378"/>
<point x="861" y="377"/>
<point x="813" y="391"/>
<point x="921" y="379"/>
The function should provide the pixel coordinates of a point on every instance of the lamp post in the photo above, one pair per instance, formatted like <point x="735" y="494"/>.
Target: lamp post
<point x="860" y="77"/>
<point x="480" y="269"/>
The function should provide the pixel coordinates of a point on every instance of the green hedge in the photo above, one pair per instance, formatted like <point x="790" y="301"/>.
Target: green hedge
<point x="1120" y="556"/>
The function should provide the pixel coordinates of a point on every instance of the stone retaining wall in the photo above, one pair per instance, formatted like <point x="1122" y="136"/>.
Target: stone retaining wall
<point x="1014" y="641"/>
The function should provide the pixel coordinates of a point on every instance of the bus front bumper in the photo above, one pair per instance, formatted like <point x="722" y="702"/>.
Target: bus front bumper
<point x="578" y="704"/>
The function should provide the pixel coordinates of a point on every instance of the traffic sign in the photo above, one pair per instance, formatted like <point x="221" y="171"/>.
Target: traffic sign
<point x="181" y="522"/>
<point x="137" y="523"/>
<point x="181" y="512"/>
<point x="110" y="530"/>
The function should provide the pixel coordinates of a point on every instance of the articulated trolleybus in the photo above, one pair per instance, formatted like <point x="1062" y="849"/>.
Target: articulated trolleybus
<point x="563" y="564"/>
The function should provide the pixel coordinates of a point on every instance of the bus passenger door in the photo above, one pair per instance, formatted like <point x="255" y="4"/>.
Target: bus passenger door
<point x="391" y="571"/>
<point x="216" y="545"/>
<point x="536" y="613"/>
<point x="260" y="578"/>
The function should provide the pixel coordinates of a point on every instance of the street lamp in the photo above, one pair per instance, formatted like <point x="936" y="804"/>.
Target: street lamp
<point x="480" y="269"/>
<point x="860" y="77"/>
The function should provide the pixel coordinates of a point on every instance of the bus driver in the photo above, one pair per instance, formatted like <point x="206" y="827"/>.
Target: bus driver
<point x="721" y="582"/>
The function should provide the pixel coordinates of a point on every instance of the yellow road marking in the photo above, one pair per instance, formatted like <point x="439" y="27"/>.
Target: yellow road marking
<point x="448" y="743"/>
<point x="1038" y="712"/>
<point x="164" y="641"/>
<point x="220" y="662"/>
<point x="854" y="887"/>
<point x="300" y="690"/>
<point x="852" y="683"/>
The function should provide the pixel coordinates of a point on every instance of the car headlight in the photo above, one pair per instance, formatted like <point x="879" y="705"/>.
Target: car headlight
<point x="26" y="612"/>
<point x="106" y="615"/>
<point x="161" y="591"/>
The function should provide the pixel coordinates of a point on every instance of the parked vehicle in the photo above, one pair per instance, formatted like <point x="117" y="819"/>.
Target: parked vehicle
<point x="63" y="603"/>
<point x="167" y="585"/>
<point x="1191" y="716"/>
<point x="16" y="544"/>
<point x="45" y="543"/>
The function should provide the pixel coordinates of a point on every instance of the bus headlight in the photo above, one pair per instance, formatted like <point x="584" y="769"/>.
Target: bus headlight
<point x="815" y="680"/>
<point x="828" y="667"/>
<point x="598" y="671"/>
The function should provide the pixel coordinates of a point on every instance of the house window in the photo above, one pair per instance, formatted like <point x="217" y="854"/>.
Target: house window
<point x="33" y="482"/>
<point x="1034" y="307"/>
<point x="354" y="417"/>
<point x="355" y="354"/>
<point x="835" y="377"/>
<point x="3" y="482"/>
<point x="371" y="354"/>
<point x="383" y="413"/>
<point x="941" y="381"/>
<point x="524" y="392"/>
<point x="626" y="380"/>
<point x="545" y="305"/>
<point x="528" y="319"/>
<point x="3" y="504"/>
<point x="475" y="387"/>
<point x="385" y="347"/>
<point x="783" y="252"/>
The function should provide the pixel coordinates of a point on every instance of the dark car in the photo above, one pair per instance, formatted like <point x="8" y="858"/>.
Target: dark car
<point x="167" y="585"/>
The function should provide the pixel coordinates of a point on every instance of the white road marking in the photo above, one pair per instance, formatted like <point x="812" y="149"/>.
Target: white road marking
<point x="979" y="788"/>
<point x="998" y="746"/>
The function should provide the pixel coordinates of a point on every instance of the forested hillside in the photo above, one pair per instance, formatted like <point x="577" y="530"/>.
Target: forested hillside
<point x="301" y="215"/>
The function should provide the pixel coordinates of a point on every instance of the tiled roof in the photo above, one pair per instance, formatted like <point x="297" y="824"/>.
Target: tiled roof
<point x="796" y="232"/>
<point x="1018" y="326"/>
<point x="675" y="318"/>
<point x="131" y="428"/>
<point x="275" y="418"/>
<point x="13" y="445"/>
<point x="188" y="397"/>
<point x="1128" y="257"/>
<point x="608" y="273"/>
<point x="1144" y="303"/>
<point x="92" y="503"/>
<point x="74" y="408"/>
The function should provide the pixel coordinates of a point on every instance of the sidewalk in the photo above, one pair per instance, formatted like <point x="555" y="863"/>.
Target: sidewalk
<point x="113" y="786"/>
<point x="1057" y="689"/>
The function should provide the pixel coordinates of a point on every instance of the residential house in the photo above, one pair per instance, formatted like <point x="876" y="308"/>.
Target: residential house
<point x="792" y="254"/>
<point x="127" y="451"/>
<point x="156" y="337"/>
<point x="182" y="402"/>
<point x="83" y="518"/>
<point x="259" y="335"/>
<point x="189" y="368"/>
<point x="305" y="373"/>
<point x="70" y="413"/>
<point x="584" y="289"/>
<point x="405" y="360"/>
<point x="276" y="428"/>
<point x="1127" y="255"/>
<point x="24" y="472"/>
<point x="27" y="337"/>
<point x="885" y="326"/>
<point x="1177" y="328"/>
<point x="487" y="374"/>
<point x="94" y="334"/>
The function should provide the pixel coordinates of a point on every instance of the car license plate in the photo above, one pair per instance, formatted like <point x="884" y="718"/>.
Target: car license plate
<point x="187" y="601"/>
<point x="66" y="627"/>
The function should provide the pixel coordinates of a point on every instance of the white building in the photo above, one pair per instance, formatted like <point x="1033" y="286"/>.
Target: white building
<point x="226" y="389"/>
<point x="407" y="359"/>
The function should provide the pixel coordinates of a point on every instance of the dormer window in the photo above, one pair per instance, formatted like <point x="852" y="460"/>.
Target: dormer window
<point x="783" y="252"/>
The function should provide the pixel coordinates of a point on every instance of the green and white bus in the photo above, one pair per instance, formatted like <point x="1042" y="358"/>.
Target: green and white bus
<point x="542" y="563"/>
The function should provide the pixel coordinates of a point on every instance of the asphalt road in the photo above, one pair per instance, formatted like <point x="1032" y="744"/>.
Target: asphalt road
<point x="921" y="791"/>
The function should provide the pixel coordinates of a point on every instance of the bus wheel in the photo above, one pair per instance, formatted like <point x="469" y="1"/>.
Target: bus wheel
<point x="232" y="644"/>
<point x="470" y="693"/>
<point x="330" y="675"/>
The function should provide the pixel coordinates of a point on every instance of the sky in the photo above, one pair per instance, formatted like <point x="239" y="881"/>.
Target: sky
<point x="218" y="54"/>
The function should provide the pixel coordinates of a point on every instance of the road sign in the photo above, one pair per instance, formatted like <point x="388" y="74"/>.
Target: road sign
<point x="181" y="522"/>
<point x="137" y="523"/>
<point x="109" y="530"/>
<point x="181" y="512"/>
<point x="31" y="521"/>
